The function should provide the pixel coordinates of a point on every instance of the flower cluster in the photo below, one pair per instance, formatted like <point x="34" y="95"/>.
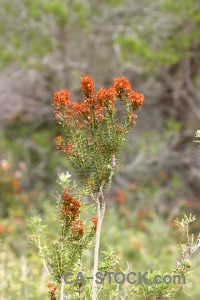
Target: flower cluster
<point x="71" y="210"/>
<point x="52" y="290"/>
<point x="61" y="98"/>
<point x="137" y="100"/>
<point x="122" y="87"/>
<point x="93" y="109"/>
<point x="78" y="229"/>
<point x="124" y="92"/>
<point x="70" y="207"/>
<point x="60" y="146"/>
<point x="87" y="86"/>
<point x="106" y="97"/>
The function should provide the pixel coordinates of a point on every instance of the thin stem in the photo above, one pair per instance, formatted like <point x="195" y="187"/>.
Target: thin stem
<point x="62" y="289"/>
<point x="43" y="259"/>
<point x="96" y="253"/>
<point x="101" y="213"/>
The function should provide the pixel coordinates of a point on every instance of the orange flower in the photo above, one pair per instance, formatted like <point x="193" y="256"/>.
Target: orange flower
<point x="87" y="86"/>
<point x="69" y="149"/>
<point x="101" y="96"/>
<point x="70" y="207"/>
<point x="79" y="109"/>
<point x="1" y="228"/>
<point x="137" y="100"/>
<point x="80" y="114"/>
<point x="98" y="113"/>
<point x="60" y="144"/>
<point x="15" y="185"/>
<point x="52" y="291"/>
<point x="132" y="118"/>
<point x="61" y="98"/>
<point x="105" y="98"/>
<point x="111" y="93"/>
<point x="122" y="87"/>
<point x="78" y="229"/>
<point x="95" y="221"/>
<point x="120" y="197"/>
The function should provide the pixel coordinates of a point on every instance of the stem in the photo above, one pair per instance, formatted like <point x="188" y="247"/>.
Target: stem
<point x="101" y="213"/>
<point x="62" y="289"/>
<point x="96" y="255"/>
<point x="43" y="259"/>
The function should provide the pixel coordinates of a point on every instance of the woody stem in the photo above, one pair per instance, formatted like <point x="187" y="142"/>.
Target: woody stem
<point x="62" y="289"/>
<point x="96" y="251"/>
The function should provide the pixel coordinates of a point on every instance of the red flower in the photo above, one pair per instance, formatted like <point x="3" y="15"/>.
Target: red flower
<point x="61" y="98"/>
<point x="87" y="86"/>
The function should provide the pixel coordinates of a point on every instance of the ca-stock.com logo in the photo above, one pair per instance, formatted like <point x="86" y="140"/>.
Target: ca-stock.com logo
<point x="120" y="278"/>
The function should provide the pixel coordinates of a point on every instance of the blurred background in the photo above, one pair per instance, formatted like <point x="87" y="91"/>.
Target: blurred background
<point x="47" y="45"/>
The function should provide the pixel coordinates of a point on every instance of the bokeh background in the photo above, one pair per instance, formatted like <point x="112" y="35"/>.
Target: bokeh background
<point x="47" y="45"/>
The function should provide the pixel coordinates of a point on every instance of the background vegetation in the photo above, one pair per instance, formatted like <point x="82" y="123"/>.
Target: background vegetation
<point x="47" y="45"/>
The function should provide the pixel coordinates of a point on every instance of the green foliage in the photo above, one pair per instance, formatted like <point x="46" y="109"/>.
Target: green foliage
<point x="113" y="2"/>
<point x="172" y="44"/>
<point x="82" y="14"/>
<point x="65" y="252"/>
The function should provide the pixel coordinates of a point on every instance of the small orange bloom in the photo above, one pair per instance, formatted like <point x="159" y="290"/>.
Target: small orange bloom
<point x="87" y="86"/>
<point x="60" y="144"/>
<point x="98" y="113"/>
<point x="95" y="221"/>
<point x="101" y="96"/>
<point x="111" y="93"/>
<point x="52" y="291"/>
<point x="70" y="207"/>
<point x="15" y="185"/>
<point x="105" y="98"/>
<point x="61" y="98"/>
<point x="120" y="197"/>
<point x="78" y="229"/>
<point x="137" y="100"/>
<point x="69" y="149"/>
<point x="122" y="87"/>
